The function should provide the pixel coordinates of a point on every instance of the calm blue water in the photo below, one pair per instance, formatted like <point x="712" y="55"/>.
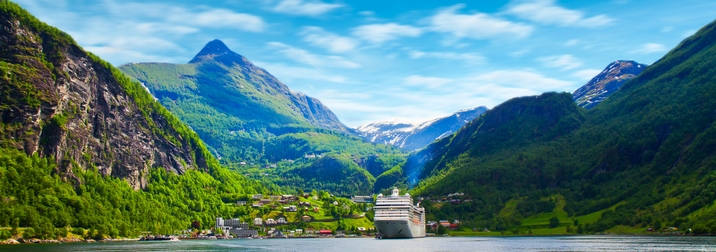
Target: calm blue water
<point x="570" y="243"/>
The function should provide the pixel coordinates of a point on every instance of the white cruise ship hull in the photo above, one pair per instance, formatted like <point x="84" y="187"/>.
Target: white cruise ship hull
<point x="399" y="229"/>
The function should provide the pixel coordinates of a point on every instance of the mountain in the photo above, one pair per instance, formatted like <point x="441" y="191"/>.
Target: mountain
<point x="413" y="137"/>
<point x="606" y="82"/>
<point x="642" y="158"/>
<point x="251" y="119"/>
<point x="83" y="146"/>
<point x="311" y="109"/>
<point x="231" y="103"/>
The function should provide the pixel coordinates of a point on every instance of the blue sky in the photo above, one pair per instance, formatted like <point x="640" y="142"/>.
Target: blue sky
<point x="408" y="61"/>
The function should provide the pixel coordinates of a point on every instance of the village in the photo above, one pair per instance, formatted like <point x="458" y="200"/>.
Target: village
<point x="309" y="215"/>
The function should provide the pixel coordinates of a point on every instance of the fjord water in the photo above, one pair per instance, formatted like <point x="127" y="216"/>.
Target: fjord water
<point x="563" y="243"/>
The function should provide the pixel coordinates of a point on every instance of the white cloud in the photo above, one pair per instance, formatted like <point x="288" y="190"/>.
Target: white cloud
<point x="201" y="16"/>
<point x="220" y="18"/>
<point x="649" y="48"/>
<point x="305" y="57"/>
<point x="571" y="42"/>
<point x="432" y="82"/>
<point x="476" y="25"/>
<point x="586" y="74"/>
<point x="304" y="8"/>
<point x="548" y="13"/>
<point x="331" y="42"/>
<point x="289" y="73"/>
<point x="379" y="33"/>
<point x="688" y="33"/>
<point x="472" y="58"/>
<point x="519" y="53"/>
<point x="522" y="79"/>
<point x="563" y="62"/>
<point x="667" y="29"/>
<point x="122" y="32"/>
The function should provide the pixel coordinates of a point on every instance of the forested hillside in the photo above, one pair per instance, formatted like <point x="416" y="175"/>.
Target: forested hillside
<point x="82" y="146"/>
<point x="258" y="126"/>
<point x="645" y="157"/>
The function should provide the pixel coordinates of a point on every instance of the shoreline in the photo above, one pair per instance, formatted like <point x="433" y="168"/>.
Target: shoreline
<point x="13" y="241"/>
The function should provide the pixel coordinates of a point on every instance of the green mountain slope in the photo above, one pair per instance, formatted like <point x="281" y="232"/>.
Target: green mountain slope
<point x="248" y="116"/>
<point x="644" y="157"/>
<point x="83" y="146"/>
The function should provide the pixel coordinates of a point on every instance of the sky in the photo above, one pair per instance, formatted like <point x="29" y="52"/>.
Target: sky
<point x="404" y="61"/>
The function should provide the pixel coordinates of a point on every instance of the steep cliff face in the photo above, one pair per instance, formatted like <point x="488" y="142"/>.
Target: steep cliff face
<point x="607" y="82"/>
<point x="318" y="114"/>
<point x="59" y="101"/>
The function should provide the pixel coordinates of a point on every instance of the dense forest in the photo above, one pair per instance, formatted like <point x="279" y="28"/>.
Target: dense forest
<point x="643" y="158"/>
<point x="56" y="194"/>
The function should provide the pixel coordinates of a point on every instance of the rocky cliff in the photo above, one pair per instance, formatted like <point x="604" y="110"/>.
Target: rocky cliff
<point x="60" y="101"/>
<point x="606" y="83"/>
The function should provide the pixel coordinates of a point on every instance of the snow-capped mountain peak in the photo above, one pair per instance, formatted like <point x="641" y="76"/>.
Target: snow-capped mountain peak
<point x="412" y="137"/>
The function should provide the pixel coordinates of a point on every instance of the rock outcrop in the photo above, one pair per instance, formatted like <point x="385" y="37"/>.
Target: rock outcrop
<point x="61" y="102"/>
<point x="606" y="83"/>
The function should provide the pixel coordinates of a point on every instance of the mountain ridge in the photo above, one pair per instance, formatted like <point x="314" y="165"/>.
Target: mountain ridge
<point x="643" y="158"/>
<point x="416" y="136"/>
<point x="243" y="100"/>
<point x="248" y="117"/>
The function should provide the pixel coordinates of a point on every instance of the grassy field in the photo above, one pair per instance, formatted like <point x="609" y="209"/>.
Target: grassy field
<point x="321" y="219"/>
<point x="539" y="224"/>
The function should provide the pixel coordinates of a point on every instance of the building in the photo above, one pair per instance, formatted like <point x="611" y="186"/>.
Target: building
<point x="281" y="220"/>
<point x="306" y="218"/>
<point x="241" y="203"/>
<point x="257" y="196"/>
<point x="432" y="225"/>
<point x="258" y="222"/>
<point x="236" y="227"/>
<point x="244" y="232"/>
<point x="227" y="224"/>
<point x="270" y="222"/>
<point x="325" y="232"/>
<point x="362" y="199"/>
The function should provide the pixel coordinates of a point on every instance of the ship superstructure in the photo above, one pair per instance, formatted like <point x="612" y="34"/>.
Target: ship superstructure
<point x="397" y="217"/>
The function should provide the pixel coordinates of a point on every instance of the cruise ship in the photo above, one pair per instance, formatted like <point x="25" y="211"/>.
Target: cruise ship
<point x="397" y="217"/>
